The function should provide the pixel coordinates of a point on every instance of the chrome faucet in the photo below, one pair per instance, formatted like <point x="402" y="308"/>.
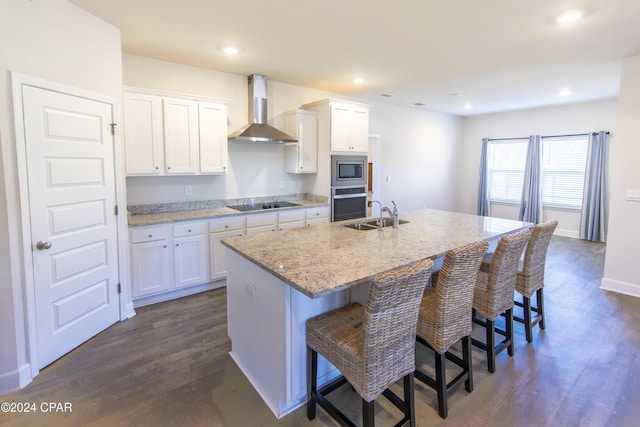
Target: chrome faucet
<point x="395" y="218"/>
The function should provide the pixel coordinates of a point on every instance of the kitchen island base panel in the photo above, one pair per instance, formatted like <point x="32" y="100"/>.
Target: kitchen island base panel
<point x="267" y="327"/>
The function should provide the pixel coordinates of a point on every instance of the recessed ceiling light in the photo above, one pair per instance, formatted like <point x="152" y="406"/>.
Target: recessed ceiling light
<point x="569" y="17"/>
<point x="230" y="50"/>
<point x="468" y="106"/>
<point x="358" y="80"/>
<point x="565" y="92"/>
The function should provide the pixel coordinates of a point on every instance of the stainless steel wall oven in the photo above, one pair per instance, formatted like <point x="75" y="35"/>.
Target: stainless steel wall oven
<point x="348" y="187"/>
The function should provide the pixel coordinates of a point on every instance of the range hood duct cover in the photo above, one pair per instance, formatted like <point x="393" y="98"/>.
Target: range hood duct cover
<point x="258" y="130"/>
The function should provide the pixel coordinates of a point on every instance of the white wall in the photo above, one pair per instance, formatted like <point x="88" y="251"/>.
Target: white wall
<point x="621" y="272"/>
<point x="561" y="120"/>
<point x="419" y="152"/>
<point x="56" y="41"/>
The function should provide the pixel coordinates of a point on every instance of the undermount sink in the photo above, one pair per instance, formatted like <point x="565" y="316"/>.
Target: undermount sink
<point x="373" y="224"/>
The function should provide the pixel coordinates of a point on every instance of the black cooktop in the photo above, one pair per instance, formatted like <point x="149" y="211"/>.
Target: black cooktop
<point x="261" y="206"/>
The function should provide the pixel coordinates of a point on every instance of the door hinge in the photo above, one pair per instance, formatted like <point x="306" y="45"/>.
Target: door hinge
<point x="113" y="128"/>
<point x="119" y="288"/>
<point x="115" y="210"/>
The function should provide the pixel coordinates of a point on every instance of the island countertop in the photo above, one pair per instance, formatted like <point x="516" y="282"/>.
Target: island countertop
<point x="327" y="258"/>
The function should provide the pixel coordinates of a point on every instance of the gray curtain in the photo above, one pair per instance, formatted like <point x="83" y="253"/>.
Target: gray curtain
<point x="483" y="187"/>
<point x="595" y="199"/>
<point x="531" y="202"/>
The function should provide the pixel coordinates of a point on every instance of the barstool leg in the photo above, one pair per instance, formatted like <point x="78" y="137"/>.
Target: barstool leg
<point x="467" y="363"/>
<point x="509" y="331"/>
<point x="312" y="370"/>
<point x="526" y="307"/>
<point x="491" y="345"/>
<point x="409" y="403"/>
<point x="368" y="414"/>
<point x="441" y="384"/>
<point x="540" y="304"/>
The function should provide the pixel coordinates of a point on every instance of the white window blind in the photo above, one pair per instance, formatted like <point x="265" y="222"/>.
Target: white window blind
<point x="563" y="166"/>
<point x="506" y="160"/>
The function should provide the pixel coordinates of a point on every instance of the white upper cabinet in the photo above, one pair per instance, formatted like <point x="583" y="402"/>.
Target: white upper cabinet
<point x="180" y="136"/>
<point x="302" y="157"/>
<point x="143" y="134"/>
<point x="343" y="126"/>
<point x="172" y="135"/>
<point x="214" y="147"/>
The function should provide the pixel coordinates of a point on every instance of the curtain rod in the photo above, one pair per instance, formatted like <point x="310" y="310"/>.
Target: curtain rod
<point x="546" y="136"/>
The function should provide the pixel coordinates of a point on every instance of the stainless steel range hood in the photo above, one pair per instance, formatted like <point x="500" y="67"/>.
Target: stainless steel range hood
<point x="258" y="130"/>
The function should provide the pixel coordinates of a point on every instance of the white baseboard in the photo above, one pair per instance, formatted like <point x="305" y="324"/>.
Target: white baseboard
<point x="620" y="287"/>
<point x="566" y="233"/>
<point x="178" y="293"/>
<point x="16" y="379"/>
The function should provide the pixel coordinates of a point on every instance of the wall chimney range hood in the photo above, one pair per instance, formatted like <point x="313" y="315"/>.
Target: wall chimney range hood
<point x="258" y="130"/>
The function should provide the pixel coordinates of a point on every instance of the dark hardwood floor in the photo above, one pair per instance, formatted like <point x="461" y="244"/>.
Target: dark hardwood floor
<point x="168" y="366"/>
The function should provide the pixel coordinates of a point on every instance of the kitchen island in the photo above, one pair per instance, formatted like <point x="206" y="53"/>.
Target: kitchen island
<point x="276" y="281"/>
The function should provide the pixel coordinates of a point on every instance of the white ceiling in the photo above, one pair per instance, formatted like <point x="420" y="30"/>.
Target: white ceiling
<point x="495" y="54"/>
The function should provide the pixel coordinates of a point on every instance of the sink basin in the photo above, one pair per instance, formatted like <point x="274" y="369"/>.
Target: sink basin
<point x="361" y="226"/>
<point x="372" y="224"/>
<point x="386" y="222"/>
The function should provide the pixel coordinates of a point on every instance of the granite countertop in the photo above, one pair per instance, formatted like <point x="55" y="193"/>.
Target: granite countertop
<point x="327" y="258"/>
<point x="202" y="211"/>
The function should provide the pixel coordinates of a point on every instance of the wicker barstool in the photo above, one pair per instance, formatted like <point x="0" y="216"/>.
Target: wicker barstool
<point x="445" y="318"/>
<point x="530" y="278"/>
<point x="372" y="346"/>
<point x="493" y="295"/>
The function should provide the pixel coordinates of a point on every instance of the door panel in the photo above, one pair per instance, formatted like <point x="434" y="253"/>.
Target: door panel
<point x="70" y="170"/>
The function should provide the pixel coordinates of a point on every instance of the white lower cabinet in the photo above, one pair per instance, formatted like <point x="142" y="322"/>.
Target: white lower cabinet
<point x="173" y="260"/>
<point x="318" y="215"/>
<point x="218" y="230"/>
<point x="260" y="222"/>
<point x="291" y="219"/>
<point x="190" y="254"/>
<point x="150" y="267"/>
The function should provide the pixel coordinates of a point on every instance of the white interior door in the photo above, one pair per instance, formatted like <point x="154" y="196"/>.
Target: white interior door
<point x="71" y="181"/>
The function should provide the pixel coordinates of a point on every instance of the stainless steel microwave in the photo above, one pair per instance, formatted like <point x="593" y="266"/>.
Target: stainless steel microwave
<point x="348" y="170"/>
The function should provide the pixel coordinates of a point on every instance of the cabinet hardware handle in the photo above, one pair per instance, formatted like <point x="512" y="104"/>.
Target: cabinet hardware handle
<point x="177" y="244"/>
<point x="188" y="231"/>
<point x="226" y="226"/>
<point x="157" y="168"/>
<point x="150" y="235"/>
<point x="169" y="167"/>
<point x="165" y="246"/>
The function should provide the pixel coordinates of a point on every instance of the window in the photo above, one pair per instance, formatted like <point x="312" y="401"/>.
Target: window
<point x="506" y="160"/>
<point x="563" y="167"/>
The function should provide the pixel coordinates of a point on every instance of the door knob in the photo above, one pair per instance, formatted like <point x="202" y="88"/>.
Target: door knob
<point x="42" y="245"/>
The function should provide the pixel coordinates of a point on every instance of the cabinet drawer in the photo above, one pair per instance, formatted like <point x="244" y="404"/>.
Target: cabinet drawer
<point x="319" y="212"/>
<point x="139" y="235"/>
<point x="291" y="215"/>
<point x="189" y="229"/>
<point x="226" y="224"/>
<point x="261" y="219"/>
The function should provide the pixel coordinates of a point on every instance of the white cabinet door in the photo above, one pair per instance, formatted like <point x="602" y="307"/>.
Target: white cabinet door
<point x="214" y="151"/>
<point x="218" y="261"/>
<point x="359" y="130"/>
<point x="191" y="260"/>
<point x="318" y="215"/>
<point x="180" y="136"/>
<point x="143" y="134"/>
<point x="150" y="263"/>
<point x="340" y="128"/>
<point x="302" y="157"/>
